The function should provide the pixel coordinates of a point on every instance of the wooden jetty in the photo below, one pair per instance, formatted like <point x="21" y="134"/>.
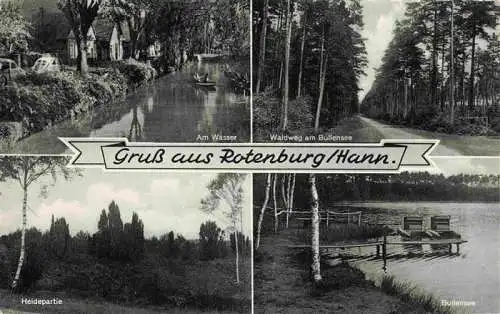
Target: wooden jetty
<point x="384" y="243"/>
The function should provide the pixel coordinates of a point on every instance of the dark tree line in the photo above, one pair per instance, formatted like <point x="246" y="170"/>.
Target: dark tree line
<point x="309" y="56"/>
<point x="114" y="243"/>
<point x="420" y="186"/>
<point x="440" y="71"/>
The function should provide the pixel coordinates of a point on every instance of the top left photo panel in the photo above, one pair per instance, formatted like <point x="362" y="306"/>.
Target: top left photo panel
<point x="146" y="70"/>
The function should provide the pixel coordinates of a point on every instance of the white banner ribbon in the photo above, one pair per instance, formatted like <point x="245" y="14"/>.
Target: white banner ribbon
<point x="388" y="156"/>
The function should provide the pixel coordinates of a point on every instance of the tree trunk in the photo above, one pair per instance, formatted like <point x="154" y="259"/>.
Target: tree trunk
<point x="288" y="190"/>
<point x="472" y="69"/>
<point x="263" y="210"/>
<point x="275" y="204"/>
<point x="284" y="194"/>
<point x="22" y="254"/>
<point x="302" y="45"/>
<point x="434" y="62"/>
<point x="322" y="75"/>
<point x="315" y="267"/>
<point x="84" y="67"/>
<point x="237" y="255"/>
<point x="287" y="64"/>
<point x="262" y="48"/>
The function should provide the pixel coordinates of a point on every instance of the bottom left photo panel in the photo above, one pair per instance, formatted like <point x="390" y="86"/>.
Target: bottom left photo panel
<point x="91" y="241"/>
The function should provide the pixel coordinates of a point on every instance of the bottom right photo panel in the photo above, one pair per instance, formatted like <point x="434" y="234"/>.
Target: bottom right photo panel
<point x="414" y="242"/>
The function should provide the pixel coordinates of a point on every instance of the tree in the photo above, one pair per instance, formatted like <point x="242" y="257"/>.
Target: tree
<point x="263" y="210"/>
<point x="26" y="170"/>
<point x="81" y="15"/>
<point x="134" y="238"/>
<point x="211" y="241"/>
<point x="287" y="63"/>
<point x="135" y="13"/>
<point x="262" y="47"/>
<point x="227" y="187"/>
<point x="14" y="29"/>
<point x="59" y="237"/>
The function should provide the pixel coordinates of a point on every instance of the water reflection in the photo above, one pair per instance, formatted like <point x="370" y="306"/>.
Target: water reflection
<point x="472" y="273"/>
<point x="173" y="109"/>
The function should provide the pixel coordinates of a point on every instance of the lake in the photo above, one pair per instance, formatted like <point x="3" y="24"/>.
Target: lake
<point x="471" y="275"/>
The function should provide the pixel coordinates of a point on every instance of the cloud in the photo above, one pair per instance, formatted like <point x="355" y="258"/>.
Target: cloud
<point x="104" y="193"/>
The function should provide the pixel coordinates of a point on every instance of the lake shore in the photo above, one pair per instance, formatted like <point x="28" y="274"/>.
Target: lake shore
<point x="282" y="285"/>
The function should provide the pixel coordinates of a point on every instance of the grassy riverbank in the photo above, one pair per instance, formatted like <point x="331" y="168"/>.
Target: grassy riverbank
<point x="282" y="283"/>
<point x="38" y="101"/>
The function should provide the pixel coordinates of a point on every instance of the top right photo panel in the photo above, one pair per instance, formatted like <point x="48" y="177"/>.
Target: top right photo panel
<point x="365" y="70"/>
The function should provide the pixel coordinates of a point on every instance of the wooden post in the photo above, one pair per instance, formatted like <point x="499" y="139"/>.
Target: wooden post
<point x="384" y="253"/>
<point x="384" y="247"/>
<point x="449" y="248"/>
<point x="327" y="217"/>
<point x="378" y="250"/>
<point x="359" y="219"/>
<point x="458" y="248"/>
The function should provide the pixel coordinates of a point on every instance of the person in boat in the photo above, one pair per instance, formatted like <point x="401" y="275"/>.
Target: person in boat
<point x="205" y="79"/>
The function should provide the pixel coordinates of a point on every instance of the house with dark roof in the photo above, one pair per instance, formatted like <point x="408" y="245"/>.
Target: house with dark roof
<point x="107" y="41"/>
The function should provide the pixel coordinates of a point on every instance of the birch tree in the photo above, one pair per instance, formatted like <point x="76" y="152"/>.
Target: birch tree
<point x="27" y="170"/>
<point x="315" y="267"/>
<point x="227" y="187"/>
<point x="263" y="210"/>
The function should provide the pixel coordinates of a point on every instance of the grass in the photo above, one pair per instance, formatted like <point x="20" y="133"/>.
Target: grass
<point x="282" y="282"/>
<point x="11" y="304"/>
<point x="412" y="295"/>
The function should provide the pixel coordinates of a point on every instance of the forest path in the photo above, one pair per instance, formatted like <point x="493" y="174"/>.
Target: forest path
<point x="450" y="144"/>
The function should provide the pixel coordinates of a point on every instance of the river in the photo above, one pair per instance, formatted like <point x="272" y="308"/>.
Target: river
<point x="471" y="275"/>
<point x="172" y="109"/>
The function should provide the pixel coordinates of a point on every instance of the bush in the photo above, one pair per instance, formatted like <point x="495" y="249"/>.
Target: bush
<point x="136" y="72"/>
<point x="40" y="100"/>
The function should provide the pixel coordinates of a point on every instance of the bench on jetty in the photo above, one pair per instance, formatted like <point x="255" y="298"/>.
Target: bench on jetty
<point x="412" y="225"/>
<point x="439" y="225"/>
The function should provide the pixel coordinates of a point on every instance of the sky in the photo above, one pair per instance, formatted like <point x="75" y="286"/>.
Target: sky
<point x="165" y="202"/>
<point x="379" y="17"/>
<point x="467" y="165"/>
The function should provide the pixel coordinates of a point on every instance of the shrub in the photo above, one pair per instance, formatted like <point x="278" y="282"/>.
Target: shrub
<point x="136" y="72"/>
<point x="40" y="100"/>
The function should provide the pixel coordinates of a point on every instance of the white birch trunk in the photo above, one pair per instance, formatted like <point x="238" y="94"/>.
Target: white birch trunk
<point x="22" y="254"/>
<point x="275" y="204"/>
<point x="237" y="255"/>
<point x="263" y="210"/>
<point x="315" y="267"/>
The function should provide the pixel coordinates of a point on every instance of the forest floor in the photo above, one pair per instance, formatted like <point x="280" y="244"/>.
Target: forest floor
<point x="282" y="284"/>
<point x="450" y="144"/>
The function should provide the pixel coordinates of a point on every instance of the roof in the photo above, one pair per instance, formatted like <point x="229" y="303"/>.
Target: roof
<point x="125" y="31"/>
<point x="103" y="29"/>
